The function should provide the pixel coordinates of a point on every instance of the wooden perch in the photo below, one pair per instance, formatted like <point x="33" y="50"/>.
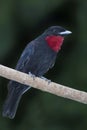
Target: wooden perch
<point x="54" y="88"/>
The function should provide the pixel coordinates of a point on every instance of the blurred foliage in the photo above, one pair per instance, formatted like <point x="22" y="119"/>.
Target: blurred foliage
<point x="22" y="21"/>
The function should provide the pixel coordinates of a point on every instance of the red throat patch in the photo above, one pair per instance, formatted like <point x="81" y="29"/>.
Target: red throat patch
<point x="55" y="42"/>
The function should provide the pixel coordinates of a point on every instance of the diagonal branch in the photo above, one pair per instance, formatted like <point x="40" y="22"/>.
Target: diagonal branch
<point x="54" y="88"/>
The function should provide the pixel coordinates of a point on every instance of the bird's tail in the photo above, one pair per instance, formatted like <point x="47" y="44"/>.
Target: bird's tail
<point x="11" y="104"/>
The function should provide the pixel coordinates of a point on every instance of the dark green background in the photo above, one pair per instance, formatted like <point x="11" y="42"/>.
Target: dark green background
<point x="20" y="22"/>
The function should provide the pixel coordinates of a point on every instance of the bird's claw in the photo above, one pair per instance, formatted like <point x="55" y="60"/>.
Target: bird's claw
<point x="47" y="80"/>
<point x="32" y="75"/>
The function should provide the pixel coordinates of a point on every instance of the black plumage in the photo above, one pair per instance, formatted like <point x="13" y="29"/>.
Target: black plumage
<point x="36" y="58"/>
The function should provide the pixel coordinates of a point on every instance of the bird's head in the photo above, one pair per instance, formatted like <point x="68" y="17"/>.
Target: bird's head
<point x="57" y="31"/>
<point x="54" y="36"/>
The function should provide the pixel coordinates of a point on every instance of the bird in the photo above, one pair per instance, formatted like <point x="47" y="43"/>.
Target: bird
<point x="37" y="58"/>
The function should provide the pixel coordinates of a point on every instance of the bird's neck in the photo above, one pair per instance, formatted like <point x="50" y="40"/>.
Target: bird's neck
<point x="54" y="42"/>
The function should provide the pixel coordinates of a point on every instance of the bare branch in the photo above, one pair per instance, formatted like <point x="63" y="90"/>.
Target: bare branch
<point x="54" y="88"/>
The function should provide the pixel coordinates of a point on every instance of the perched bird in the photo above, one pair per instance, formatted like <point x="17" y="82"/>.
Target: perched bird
<point x="38" y="57"/>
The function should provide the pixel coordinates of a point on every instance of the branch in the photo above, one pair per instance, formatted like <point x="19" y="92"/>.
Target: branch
<point x="54" y="88"/>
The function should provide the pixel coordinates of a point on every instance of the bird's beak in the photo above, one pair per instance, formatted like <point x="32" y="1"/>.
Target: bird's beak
<point x="65" y="33"/>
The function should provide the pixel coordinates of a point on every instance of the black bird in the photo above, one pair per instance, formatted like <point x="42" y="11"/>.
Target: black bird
<point x="38" y="57"/>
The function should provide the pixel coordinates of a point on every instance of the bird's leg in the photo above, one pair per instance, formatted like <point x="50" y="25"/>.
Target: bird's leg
<point x="47" y="80"/>
<point x="32" y="75"/>
<point x="42" y="77"/>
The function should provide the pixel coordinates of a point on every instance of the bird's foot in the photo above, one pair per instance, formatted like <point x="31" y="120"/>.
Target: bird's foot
<point x="47" y="80"/>
<point x="32" y="75"/>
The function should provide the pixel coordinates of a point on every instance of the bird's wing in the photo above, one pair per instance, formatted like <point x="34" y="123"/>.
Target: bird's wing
<point x="53" y="61"/>
<point x="25" y="57"/>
